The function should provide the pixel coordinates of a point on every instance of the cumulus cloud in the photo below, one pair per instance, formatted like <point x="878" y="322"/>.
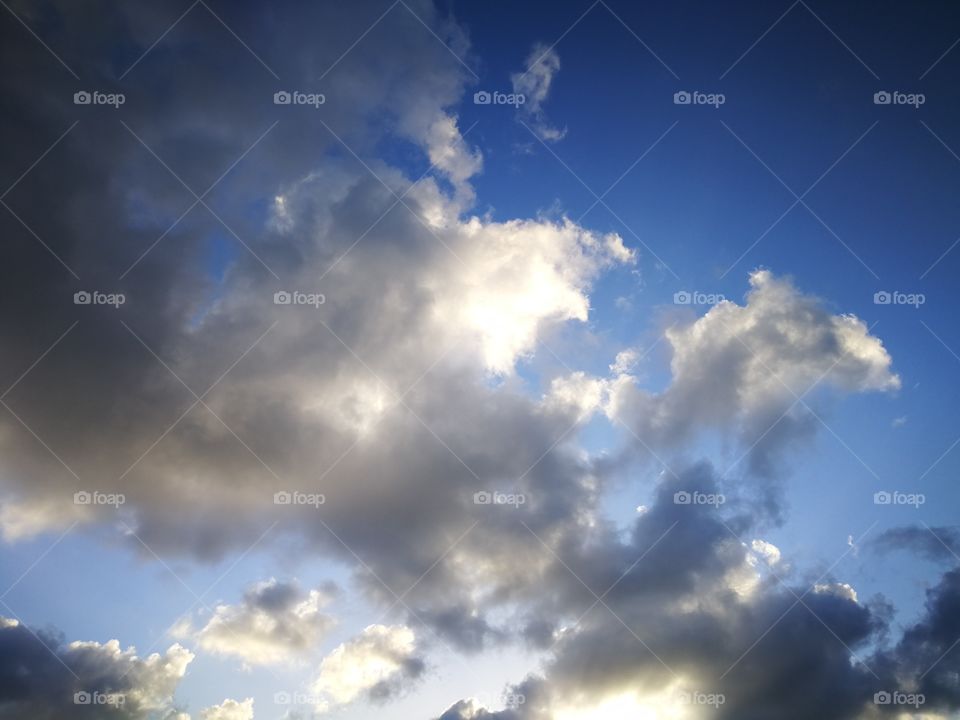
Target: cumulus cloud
<point x="518" y="277"/>
<point x="306" y="400"/>
<point x="229" y="710"/>
<point x="275" y="622"/>
<point x="755" y="373"/>
<point x="43" y="678"/>
<point x="683" y="611"/>
<point x="534" y="83"/>
<point x="377" y="664"/>
<point x="778" y="346"/>
<point x="396" y="399"/>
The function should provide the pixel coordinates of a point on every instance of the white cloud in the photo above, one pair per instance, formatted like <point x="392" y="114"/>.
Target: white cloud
<point x="43" y="677"/>
<point x="153" y="679"/>
<point x="449" y="153"/>
<point x="578" y="393"/>
<point x="275" y="623"/>
<point x="534" y="83"/>
<point x="838" y="589"/>
<point x="741" y="367"/>
<point x="514" y="278"/>
<point x="376" y="663"/>
<point x="229" y="710"/>
<point x="769" y="552"/>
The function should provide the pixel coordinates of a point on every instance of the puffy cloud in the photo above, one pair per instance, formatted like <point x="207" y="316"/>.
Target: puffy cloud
<point x="768" y="552"/>
<point x="377" y="664"/>
<point x="674" y="621"/>
<point x="424" y="303"/>
<point x="773" y="349"/>
<point x="625" y="361"/>
<point x="43" y="678"/>
<point x="517" y="277"/>
<point x="229" y="710"/>
<point x="310" y="399"/>
<point x="449" y="153"/>
<point x="534" y="83"/>
<point x="275" y="622"/>
<point x="747" y="371"/>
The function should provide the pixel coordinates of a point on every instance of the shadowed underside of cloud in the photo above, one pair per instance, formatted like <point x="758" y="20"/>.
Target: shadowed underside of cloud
<point x="380" y="663"/>
<point x="275" y="623"/>
<point x="933" y="543"/>
<point x="44" y="679"/>
<point x="722" y="622"/>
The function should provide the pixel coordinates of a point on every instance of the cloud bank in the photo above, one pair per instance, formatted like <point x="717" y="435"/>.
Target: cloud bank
<point x="388" y="422"/>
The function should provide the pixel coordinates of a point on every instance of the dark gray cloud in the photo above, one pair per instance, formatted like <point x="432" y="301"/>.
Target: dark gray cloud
<point x="701" y="615"/>
<point x="941" y="544"/>
<point x="42" y="677"/>
<point x="924" y="660"/>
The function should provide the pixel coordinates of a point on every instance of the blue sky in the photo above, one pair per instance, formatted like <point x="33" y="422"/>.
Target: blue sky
<point x="799" y="172"/>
